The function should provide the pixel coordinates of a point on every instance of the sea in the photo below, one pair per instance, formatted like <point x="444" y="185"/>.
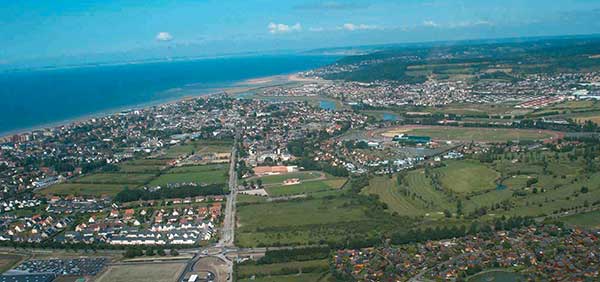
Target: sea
<point x="38" y="98"/>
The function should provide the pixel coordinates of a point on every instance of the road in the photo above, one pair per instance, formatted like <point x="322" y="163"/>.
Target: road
<point x="228" y="230"/>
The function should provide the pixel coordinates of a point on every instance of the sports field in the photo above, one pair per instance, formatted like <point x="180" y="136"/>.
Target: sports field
<point x="492" y="135"/>
<point x="163" y="272"/>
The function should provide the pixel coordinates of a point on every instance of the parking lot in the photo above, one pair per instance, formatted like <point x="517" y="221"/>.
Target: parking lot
<point x="77" y="266"/>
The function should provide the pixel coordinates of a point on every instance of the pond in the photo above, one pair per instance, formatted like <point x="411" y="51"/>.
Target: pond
<point x="497" y="276"/>
<point x="390" y="117"/>
<point x="327" y="105"/>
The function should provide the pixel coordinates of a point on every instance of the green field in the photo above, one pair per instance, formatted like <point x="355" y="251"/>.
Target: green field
<point x="276" y="270"/>
<point x="497" y="135"/>
<point x="202" y="176"/>
<point x="426" y="199"/>
<point x="308" y="221"/>
<point x="305" y="187"/>
<point x="199" y="168"/>
<point x="304" y="277"/>
<point x="129" y="168"/>
<point x="116" y="178"/>
<point x="586" y="220"/>
<point x="243" y="198"/>
<point x="81" y="189"/>
<point x="467" y="176"/>
<point x="557" y="188"/>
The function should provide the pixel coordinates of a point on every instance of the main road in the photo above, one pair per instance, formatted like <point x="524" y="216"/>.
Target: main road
<point x="228" y="230"/>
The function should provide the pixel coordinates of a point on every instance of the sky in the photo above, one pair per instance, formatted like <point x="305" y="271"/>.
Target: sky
<point x="71" y="32"/>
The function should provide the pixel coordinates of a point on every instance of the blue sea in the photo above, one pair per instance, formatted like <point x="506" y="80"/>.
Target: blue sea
<point x="31" y="99"/>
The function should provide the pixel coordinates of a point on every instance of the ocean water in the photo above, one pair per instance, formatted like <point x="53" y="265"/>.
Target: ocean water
<point x="30" y="99"/>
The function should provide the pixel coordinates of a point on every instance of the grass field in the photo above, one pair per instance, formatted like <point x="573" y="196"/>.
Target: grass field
<point x="203" y="177"/>
<point x="7" y="261"/>
<point x="425" y="201"/>
<point x="304" y="222"/>
<point x="586" y="220"/>
<point x="129" y="168"/>
<point x="166" y="272"/>
<point x="277" y="269"/>
<point x="115" y="178"/>
<point x="467" y="176"/>
<point x="81" y="189"/>
<point x="305" y="187"/>
<point x="472" y="133"/>
<point x="199" y="168"/>
<point x="304" y="277"/>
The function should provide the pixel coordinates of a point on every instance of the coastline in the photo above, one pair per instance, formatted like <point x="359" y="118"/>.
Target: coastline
<point x="233" y="88"/>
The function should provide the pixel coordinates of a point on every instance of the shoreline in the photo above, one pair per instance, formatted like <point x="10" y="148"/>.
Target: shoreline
<point x="233" y="88"/>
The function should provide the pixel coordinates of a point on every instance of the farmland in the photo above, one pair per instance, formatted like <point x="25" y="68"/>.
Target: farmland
<point x="152" y="171"/>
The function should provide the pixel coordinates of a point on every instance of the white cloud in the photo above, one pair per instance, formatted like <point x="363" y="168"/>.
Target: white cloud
<point x="275" y="28"/>
<point x="463" y="24"/>
<point x="164" y="36"/>
<point x="430" y="23"/>
<point x="353" y="27"/>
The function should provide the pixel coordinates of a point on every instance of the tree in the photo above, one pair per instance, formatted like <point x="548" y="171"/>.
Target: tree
<point x="584" y="189"/>
<point x="174" y="252"/>
<point x="447" y="213"/>
<point x="161" y="252"/>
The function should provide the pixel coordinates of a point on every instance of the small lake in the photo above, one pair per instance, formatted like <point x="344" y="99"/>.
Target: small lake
<point x="498" y="276"/>
<point x="390" y="117"/>
<point x="327" y="105"/>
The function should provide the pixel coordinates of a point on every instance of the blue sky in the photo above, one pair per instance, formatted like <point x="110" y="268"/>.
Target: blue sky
<point x="82" y="31"/>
